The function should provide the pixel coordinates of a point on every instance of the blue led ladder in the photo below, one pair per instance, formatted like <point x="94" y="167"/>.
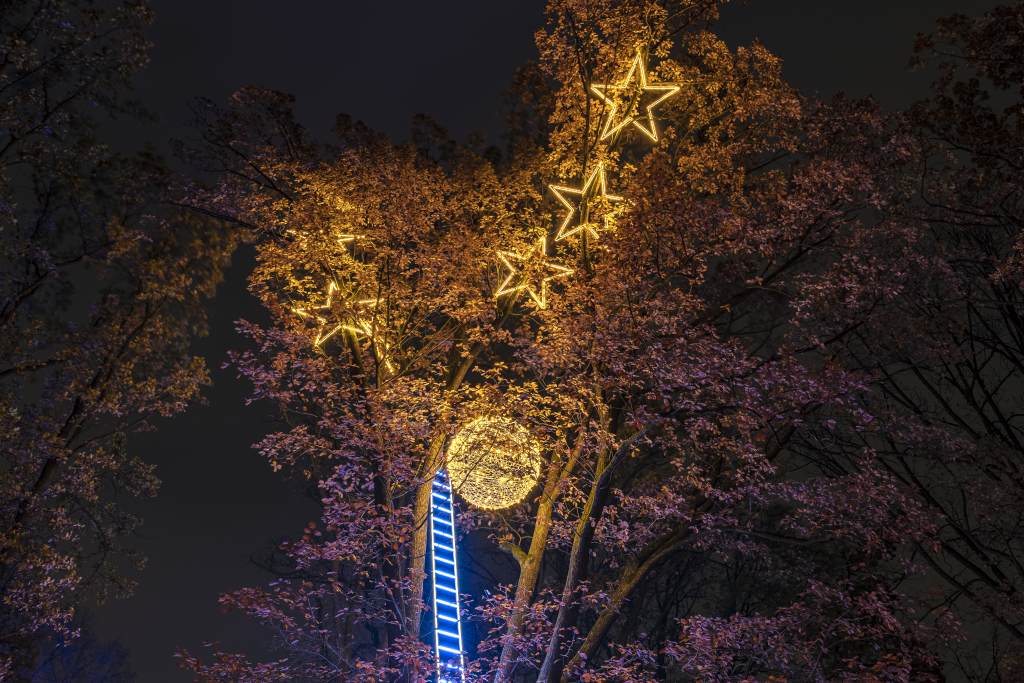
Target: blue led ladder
<point x="447" y="624"/>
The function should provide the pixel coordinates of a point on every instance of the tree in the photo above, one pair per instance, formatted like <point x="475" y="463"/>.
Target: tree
<point x="695" y="515"/>
<point x="947" y="351"/>
<point x="102" y="290"/>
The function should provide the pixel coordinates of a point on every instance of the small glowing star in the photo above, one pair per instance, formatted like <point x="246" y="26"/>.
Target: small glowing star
<point x="596" y="187"/>
<point x="534" y="271"/>
<point x="361" y="327"/>
<point x="639" y="87"/>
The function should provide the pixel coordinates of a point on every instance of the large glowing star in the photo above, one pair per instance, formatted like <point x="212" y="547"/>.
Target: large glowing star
<point x="629" y="92"/>
<point x="581" y="201"/>
<point x="493" y="462"/>
<point x="530" y="272"/>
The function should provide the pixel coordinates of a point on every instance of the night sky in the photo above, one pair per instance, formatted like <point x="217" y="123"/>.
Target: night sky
<point x="382" y="63"/>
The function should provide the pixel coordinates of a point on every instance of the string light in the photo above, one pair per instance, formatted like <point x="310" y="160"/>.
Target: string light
<point x="596" y="186"/>
<point x="448" y="654"/>
<point x="493" y="462"/>
<point x="531" y="273"/>
<point x="638" y="72"/>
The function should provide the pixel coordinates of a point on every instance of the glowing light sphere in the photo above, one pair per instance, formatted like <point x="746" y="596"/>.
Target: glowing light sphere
<point x="493" y="462"/>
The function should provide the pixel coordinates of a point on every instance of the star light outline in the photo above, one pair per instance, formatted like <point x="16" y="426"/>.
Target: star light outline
<point x="558" y="190"/>
<point x="361" y="326"/>
<point x="539" y="298"/>
<point x="601" y="89"/>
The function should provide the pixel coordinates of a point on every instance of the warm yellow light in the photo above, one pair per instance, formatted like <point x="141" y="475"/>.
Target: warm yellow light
<point x="612" y="94"/>
<point x="595" y="188"/>
<point x="364" y="327"/>
<point x="530" y="275"/>
<point x="325" y="330"/>
<point x="361" y="326"/>
<point x="493" y="462"/>
<point x="342" y="238"/>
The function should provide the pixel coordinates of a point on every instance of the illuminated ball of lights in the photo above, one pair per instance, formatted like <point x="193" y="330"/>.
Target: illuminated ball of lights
<point x="493" y="462"/>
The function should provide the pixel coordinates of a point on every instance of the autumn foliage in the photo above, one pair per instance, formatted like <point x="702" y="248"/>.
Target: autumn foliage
<point x="727" y="491"/>
<point x="103" y="287"/>
<point x="778" y="397"/>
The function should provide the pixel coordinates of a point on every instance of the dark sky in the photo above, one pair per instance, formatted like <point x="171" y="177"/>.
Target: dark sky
<point x="381" y="62"/>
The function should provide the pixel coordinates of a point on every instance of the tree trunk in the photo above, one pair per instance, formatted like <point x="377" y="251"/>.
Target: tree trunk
<point x="529" y="571"/>
<point x="635" y="571"/>
<point x="420" y="537"/>
<point x="529" y="564"/>
<point x="578" y="568"/>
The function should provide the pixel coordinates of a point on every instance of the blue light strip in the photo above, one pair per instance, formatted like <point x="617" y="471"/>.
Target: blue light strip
<point x="451" y="667"/>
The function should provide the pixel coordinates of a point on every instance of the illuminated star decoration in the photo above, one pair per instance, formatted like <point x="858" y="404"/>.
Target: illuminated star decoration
<point x="532" y="273"/>
<point x="327" y="328"/>
<point x="613" y="94"/>
<point x="322" y="331"/>
<point x="596" y="187"/>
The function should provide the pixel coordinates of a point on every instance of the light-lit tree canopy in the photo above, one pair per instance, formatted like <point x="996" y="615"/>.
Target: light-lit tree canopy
<point x="725" y="378"/>
<point x="642" y="281"/>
